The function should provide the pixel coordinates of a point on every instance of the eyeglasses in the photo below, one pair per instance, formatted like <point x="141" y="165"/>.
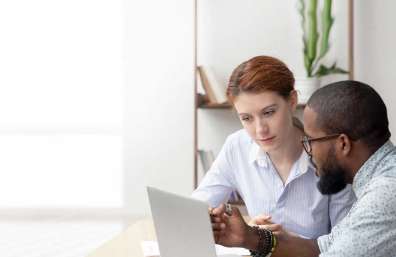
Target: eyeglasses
<point x="306" y="142"/>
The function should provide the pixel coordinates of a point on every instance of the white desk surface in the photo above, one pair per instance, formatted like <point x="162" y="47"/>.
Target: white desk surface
<point x="128" y="242"/>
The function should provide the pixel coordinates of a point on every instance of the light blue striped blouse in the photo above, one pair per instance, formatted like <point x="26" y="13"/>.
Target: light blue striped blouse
<point x="298" y="205"/>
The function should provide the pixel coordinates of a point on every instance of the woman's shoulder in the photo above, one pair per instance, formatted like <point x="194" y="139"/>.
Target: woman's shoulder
<point x="238" y="143"/>
<point x="239" y="137"/>
<point x="237" y="147"/>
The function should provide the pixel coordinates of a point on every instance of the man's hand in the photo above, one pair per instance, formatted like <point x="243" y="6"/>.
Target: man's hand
<point x="229" y="230"/>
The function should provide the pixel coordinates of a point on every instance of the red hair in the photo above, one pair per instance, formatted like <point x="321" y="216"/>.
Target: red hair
<point x="259" y="74"/>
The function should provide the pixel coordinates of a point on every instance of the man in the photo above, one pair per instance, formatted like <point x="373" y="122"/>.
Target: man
<point x="347" y="138"/>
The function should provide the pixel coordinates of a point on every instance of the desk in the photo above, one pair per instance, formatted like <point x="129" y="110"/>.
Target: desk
<point x="128" y="243"/>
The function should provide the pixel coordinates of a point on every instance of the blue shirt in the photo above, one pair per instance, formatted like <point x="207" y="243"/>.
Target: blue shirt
<point x="297" y="205"/>
<point x="369" y="229"/>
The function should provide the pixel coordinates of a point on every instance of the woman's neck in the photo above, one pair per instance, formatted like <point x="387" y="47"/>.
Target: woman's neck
<point x="284" y="157"/>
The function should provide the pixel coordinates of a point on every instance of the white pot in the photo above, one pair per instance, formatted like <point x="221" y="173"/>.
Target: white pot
<point x="305" y="87"/>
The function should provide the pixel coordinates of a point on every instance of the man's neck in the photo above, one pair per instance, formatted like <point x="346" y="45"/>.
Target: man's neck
<point x="358" y="157"/>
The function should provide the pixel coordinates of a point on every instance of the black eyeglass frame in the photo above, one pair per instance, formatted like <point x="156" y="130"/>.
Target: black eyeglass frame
<point x="306" y="141"/>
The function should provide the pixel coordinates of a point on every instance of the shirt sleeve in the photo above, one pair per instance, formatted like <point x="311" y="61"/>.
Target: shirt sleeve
<point x="340" y="204"/>
<point x="370" y="229"/>
<point x="323" y="243"/>
<point x="219" y="182"/>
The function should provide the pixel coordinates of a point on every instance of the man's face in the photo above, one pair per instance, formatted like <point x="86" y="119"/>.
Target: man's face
<point x="331" y="173"/>
<point x="332" y="178"/>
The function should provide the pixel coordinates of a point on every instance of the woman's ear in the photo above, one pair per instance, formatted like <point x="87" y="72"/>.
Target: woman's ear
<point x="293" y="100"/>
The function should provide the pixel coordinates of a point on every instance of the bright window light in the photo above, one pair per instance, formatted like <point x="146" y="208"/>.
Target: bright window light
<point x="61" y="102"/>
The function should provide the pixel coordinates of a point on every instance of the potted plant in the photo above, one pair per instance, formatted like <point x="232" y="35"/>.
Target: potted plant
<point x="316" y="46"/>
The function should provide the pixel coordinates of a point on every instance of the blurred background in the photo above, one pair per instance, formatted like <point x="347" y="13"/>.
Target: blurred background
<point x="97" y="101"/>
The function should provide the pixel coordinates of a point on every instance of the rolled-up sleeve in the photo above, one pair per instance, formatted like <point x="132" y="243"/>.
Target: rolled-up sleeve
<point x="218" y="183"/>
<point x="323" y="243"/>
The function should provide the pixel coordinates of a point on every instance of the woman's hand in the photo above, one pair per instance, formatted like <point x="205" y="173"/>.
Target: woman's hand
<point x="264" y="221"/>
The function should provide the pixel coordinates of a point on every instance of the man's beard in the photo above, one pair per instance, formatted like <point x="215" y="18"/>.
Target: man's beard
<point x="332" y="179"/>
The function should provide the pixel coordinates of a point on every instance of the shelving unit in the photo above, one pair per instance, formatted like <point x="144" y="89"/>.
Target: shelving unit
<point x="207" y="106"/>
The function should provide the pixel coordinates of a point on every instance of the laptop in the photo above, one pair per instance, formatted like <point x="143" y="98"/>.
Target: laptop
<point x="182" y="225"/>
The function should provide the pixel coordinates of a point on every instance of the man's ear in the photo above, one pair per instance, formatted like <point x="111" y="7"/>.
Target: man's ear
<point x="344" y="144"/>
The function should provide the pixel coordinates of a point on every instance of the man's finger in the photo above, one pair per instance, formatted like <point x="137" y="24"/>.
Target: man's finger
<point x="219" y="233"/>
<point x="218" y="226"/>
<point x="216" y="219"/>
<point x="218" y="211"/>
<point x="234" y="213"/>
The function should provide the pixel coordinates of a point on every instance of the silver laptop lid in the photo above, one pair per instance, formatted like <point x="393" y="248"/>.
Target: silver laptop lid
<point x="182" y="225"/>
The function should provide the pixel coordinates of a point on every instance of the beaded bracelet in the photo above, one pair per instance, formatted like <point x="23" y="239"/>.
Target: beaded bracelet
<point x="266" y="244"/>
<point x="274" y="242"/>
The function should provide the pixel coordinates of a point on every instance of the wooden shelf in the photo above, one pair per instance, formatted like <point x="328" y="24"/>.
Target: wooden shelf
<point x="229" y="106"/>
<point x="215" y="106"/>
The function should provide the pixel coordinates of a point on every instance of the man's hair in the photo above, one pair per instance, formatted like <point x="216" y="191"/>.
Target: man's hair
<point x="352" y="108"/>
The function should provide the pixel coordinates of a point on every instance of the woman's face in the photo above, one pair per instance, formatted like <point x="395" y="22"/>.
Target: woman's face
<point x="267" y="117"/>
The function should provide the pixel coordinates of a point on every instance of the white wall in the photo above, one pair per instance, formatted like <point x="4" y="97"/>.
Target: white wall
<point x="159" y="117"/>
<point x="375" y="59"/>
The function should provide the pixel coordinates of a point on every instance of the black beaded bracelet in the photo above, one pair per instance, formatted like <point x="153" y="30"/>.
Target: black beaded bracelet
<point x="264" y="245"/>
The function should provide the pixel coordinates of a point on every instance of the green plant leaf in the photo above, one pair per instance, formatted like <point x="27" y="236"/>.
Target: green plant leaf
<point x="301" y="10"/>
<point x="324" y="70"/>
<point x="308" y="65"/>
<point x="313" y="34"/>
<point x="327" y="23"/>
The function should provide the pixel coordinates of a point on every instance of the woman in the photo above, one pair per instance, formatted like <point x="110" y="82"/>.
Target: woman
<point x="265" y="161"/>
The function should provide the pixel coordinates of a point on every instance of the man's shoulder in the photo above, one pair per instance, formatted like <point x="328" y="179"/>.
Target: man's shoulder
<point x="385" y="182"/>
<point x="385" y="174"/>
<point x="388" y="164"/>
<point x="380" y="194"/>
